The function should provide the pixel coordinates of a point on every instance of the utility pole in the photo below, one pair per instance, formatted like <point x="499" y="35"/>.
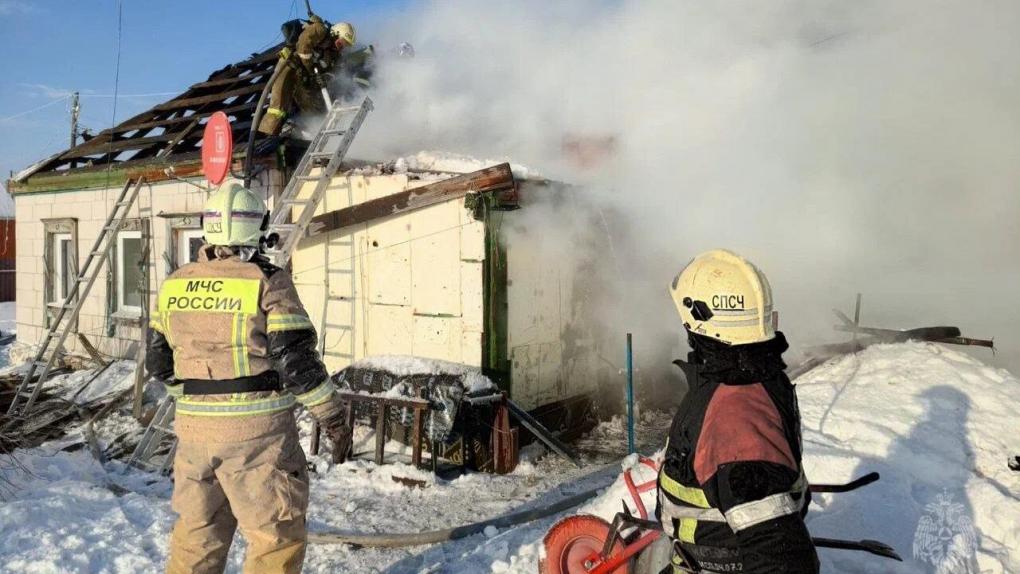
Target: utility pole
<point x="75" y="110"/>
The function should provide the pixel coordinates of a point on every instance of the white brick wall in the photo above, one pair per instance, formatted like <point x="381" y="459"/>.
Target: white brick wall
<point x="90" y="208"/>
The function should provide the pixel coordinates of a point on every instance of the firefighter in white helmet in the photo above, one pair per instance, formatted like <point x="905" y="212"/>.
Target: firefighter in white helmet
<point x="232" y="342"/>
<point x="732" y="493"/>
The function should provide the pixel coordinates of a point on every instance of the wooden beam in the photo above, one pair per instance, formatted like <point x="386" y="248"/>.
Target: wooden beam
<point x="192" y="102"/>
<point x="104" y="147"/>
<point x="255" y="75"/>
<point x="490" y="179"/>
<point x="382" y="416"/>
<point x="174" y="121"/>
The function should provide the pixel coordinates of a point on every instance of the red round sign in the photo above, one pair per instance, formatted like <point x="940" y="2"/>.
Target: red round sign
<point x="217" y="148"/>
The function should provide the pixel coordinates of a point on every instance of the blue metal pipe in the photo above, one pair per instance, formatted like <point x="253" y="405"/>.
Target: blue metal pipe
<point x="630" y="394"/>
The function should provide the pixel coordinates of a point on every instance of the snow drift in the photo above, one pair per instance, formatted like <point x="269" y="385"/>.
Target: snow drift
<point x="936" y="423"/>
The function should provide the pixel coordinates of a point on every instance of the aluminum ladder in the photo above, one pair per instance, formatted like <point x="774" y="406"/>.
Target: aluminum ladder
<point x="329" y="145"/>
<point x="29" y="388"/>
<point x="154" y="436"/>
<point x="68" y="311"/>
<point x="342" y="122"/>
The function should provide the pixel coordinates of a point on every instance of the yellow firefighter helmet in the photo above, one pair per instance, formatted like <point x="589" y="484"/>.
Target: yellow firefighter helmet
<point x="343" y="31"/>
<point x="234" y="215"/>
<point x="725" y="297"/>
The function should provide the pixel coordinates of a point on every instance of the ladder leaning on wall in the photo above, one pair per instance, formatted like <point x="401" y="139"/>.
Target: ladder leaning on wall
<point x="67" y="316"/>
<point x="67" y="313"/>
<point x="325" y="152"/>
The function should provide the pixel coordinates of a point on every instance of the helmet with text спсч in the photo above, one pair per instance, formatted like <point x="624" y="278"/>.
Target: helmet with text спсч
<point x="723" y="296"/>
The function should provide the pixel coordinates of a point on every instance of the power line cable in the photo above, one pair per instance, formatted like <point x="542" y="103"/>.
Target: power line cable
<point x="36" y="109"/>
<point x="117" y="96"/>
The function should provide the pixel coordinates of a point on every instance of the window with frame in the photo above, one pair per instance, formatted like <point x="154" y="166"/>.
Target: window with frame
<point x="64" y="272"/>
<point x="129" y="273"/>
<point x="60" y="258"/>
<point x="189" y="241"/>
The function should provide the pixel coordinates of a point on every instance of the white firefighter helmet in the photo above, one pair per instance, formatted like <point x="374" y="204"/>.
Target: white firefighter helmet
<point x="343" y="31"/>
<point x="725" y="297"/>
<point x="234" y="215"/>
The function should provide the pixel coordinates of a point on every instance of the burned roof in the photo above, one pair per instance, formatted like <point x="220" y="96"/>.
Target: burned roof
<point x="134" y="143"/>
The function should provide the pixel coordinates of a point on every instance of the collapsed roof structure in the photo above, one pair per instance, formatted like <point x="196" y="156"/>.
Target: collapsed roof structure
<point x="129" y="149"/>
<point x="398" y="260"/>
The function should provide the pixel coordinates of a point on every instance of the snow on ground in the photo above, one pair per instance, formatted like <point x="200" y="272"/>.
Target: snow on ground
<point x="937" y="423"/>
<point x="8" y="326"/>
<point x="61" y="516"/>
<point x="7" y="320"/>
<point x="65" y="515"/>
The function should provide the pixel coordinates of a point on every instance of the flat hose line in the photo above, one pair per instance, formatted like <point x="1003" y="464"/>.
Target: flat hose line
<point x="397" y="540"/>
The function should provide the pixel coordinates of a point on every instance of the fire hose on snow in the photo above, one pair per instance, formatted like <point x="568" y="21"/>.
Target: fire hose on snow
<point x="395" y="540"/>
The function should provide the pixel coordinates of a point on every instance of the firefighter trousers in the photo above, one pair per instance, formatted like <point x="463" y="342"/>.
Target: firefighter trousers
<point x="259" y="484"/>
<point x="291" y="87"/>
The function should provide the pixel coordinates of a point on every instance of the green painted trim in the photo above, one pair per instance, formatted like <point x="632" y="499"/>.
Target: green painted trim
<point x="495" y="355"/>
<point x="71" y="182"/>
<point x="83" y="179"/>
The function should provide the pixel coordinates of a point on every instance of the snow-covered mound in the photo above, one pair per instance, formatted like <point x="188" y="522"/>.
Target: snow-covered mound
<point x="937" y="424"/>
<point x="60" y="513"/>
<point x="405" y="366"/>
<point x="455" y="163"/>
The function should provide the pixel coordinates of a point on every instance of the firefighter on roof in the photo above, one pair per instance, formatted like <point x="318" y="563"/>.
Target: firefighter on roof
<point x="732" y="493"/>
<point x="233" y="343"/>
<point x="308" y="56"/>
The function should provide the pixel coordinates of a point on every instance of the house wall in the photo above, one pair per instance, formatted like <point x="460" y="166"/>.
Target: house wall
<point x="114" y="336"/>
<point x="409" y="284"/>
<point x="552" y="331"/>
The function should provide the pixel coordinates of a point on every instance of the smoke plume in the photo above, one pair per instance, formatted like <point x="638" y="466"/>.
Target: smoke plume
<point x="844" y="147"/>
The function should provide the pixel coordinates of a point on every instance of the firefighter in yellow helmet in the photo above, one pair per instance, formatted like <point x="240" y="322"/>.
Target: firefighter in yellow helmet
<point x="315" y="52"/>
<point x="234" y="345"/>
<point x="731" y="492"/>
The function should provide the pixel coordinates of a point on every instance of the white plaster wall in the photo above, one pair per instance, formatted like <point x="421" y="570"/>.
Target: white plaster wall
<point x="551" y="345"/>
<point x="409" y="284"/>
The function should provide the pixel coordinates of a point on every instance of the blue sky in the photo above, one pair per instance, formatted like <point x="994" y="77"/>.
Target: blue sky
<point x="54" y="47"/>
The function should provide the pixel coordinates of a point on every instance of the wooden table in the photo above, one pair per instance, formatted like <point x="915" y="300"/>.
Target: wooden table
<point x="383" y="403"/>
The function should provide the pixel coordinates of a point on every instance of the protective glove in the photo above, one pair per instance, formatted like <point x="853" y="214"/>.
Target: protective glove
<point x="320" y="80"/>
<point x="340" y="435"/>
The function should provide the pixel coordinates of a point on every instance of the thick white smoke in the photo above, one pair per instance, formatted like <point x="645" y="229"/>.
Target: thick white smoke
<point x="864" y="146"/>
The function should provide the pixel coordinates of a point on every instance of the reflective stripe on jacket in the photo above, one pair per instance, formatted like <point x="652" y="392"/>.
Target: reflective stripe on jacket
<point x="224" y="319"/>
<point x="725" y="436"/>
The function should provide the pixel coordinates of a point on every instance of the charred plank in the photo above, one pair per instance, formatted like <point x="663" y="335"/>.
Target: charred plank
<point x="490" y="179"/>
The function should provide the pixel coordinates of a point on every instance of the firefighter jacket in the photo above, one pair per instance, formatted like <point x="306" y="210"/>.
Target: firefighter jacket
<point x="231" y="339"/>
<point x="732" y="492"/>
<point x="314" y="47"/>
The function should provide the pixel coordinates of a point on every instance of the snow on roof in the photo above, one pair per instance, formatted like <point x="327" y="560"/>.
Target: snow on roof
<point x="405" y="366"/>
<point x="448" y="162"/>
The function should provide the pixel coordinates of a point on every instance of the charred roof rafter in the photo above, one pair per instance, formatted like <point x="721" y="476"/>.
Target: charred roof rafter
<point x="233" y="89"/>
